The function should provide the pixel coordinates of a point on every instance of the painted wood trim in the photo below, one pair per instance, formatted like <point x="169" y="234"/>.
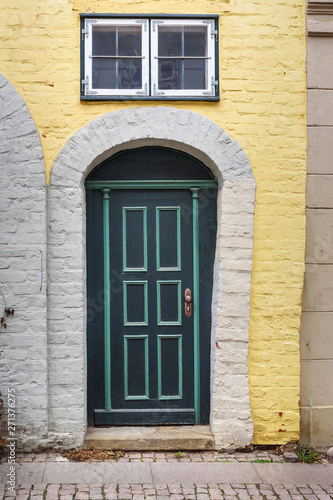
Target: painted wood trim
<point x="145" y="260"/>
<point x="107" y="313"/>
<point x="158" y="255"/>
<point x="146" y="395"/>
<point x="179" y="303"/>
<point x="180" y="367"/>
<point x="135" y="323"/>
<point x="196" y="305"/>
<point x="169" y="184"/>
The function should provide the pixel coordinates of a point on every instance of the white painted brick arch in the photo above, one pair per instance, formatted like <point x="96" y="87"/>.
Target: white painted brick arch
<point x="102" y="137"/>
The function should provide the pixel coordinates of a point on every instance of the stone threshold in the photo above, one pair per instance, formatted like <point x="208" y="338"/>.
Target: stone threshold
<point x="161" y="438"/>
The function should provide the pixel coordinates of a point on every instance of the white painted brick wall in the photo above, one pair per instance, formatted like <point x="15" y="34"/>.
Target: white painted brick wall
<point x="23" y="360"/>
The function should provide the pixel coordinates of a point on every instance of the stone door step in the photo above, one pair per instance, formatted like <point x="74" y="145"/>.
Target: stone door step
<point x="162" y="438"/>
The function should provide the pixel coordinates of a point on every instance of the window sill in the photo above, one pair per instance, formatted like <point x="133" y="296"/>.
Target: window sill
<point x="148" y="98"/>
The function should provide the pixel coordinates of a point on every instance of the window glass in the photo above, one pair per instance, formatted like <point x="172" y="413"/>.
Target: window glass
<point x="104" y="73"/>
<point x="129" y="41"/>
<point x="129" y="74"/>
<point x="177" y="48"/>
<point x="195" y="41"/>
<point x="104" y="41"/>
<point x="195" y="74"/>
<point x="109" y="70"/>
<point x="169" y="41"/>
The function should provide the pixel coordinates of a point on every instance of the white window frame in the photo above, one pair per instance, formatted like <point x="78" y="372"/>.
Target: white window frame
<point x="211" y="82"/>
<point x="149" y="26"/>
<point x="87" y="82"/>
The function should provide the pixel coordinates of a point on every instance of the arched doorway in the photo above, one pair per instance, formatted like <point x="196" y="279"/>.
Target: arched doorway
<point x="99" y="139"/>
<point x="151" y="235"/>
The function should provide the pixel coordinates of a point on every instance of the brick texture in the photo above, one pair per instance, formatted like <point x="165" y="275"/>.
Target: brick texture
<point x="263" y="106"/>
<point x="22" y="264"/>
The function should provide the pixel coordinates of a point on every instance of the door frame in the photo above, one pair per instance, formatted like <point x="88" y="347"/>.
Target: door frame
<point x="194" y="186"/>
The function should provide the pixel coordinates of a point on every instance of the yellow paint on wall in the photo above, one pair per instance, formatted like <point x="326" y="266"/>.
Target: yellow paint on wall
<point x="263" y="107"/>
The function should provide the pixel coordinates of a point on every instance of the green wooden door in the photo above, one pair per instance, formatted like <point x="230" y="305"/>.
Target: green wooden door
<point x="145" y="351"/>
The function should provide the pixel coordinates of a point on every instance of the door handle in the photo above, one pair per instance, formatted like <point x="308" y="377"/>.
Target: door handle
<point x="188" y="303"/>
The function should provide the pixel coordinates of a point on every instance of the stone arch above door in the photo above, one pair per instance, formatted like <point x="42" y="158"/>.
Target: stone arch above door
<point x="198" y="136"/>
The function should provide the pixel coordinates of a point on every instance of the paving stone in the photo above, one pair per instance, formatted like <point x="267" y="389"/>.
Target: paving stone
<point x="162" y="491"/>
<point x="275" y="458"/>
<point x="289" y="456"/>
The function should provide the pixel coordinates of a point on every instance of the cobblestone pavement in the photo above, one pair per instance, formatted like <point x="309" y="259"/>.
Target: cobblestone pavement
<point x="167" y="492"/>
<point x="210" y="456"/>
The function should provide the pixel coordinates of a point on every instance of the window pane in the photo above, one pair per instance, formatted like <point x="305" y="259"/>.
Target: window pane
<point x="170" y="41"/>
<point x="129" y="41"/>
<point x="195" y="41"/>
<point x="104" y="41"/>
<point x="130" y="73"/>
<point x="104" y="73"/>
<point x="169" y="74"/>
<point x="195" y="73"/>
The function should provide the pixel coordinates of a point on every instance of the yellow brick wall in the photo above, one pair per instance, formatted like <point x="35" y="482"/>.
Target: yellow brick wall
<point x="263" y="105"/>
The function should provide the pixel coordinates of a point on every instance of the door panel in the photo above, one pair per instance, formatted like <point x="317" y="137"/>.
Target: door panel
<point x="151" y="299"/>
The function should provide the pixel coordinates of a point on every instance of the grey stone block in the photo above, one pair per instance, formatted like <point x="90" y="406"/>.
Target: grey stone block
<point x="317" y="292"/>
<point x="289" y="456"/>
<point x="320" y="107"/>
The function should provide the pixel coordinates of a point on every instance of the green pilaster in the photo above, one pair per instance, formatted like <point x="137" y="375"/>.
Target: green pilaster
<point x="196" y="305"/>
<point x="107" y="321"/>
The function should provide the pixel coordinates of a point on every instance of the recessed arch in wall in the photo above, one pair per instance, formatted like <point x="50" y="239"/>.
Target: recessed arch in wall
<point x="201" y="138"/>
